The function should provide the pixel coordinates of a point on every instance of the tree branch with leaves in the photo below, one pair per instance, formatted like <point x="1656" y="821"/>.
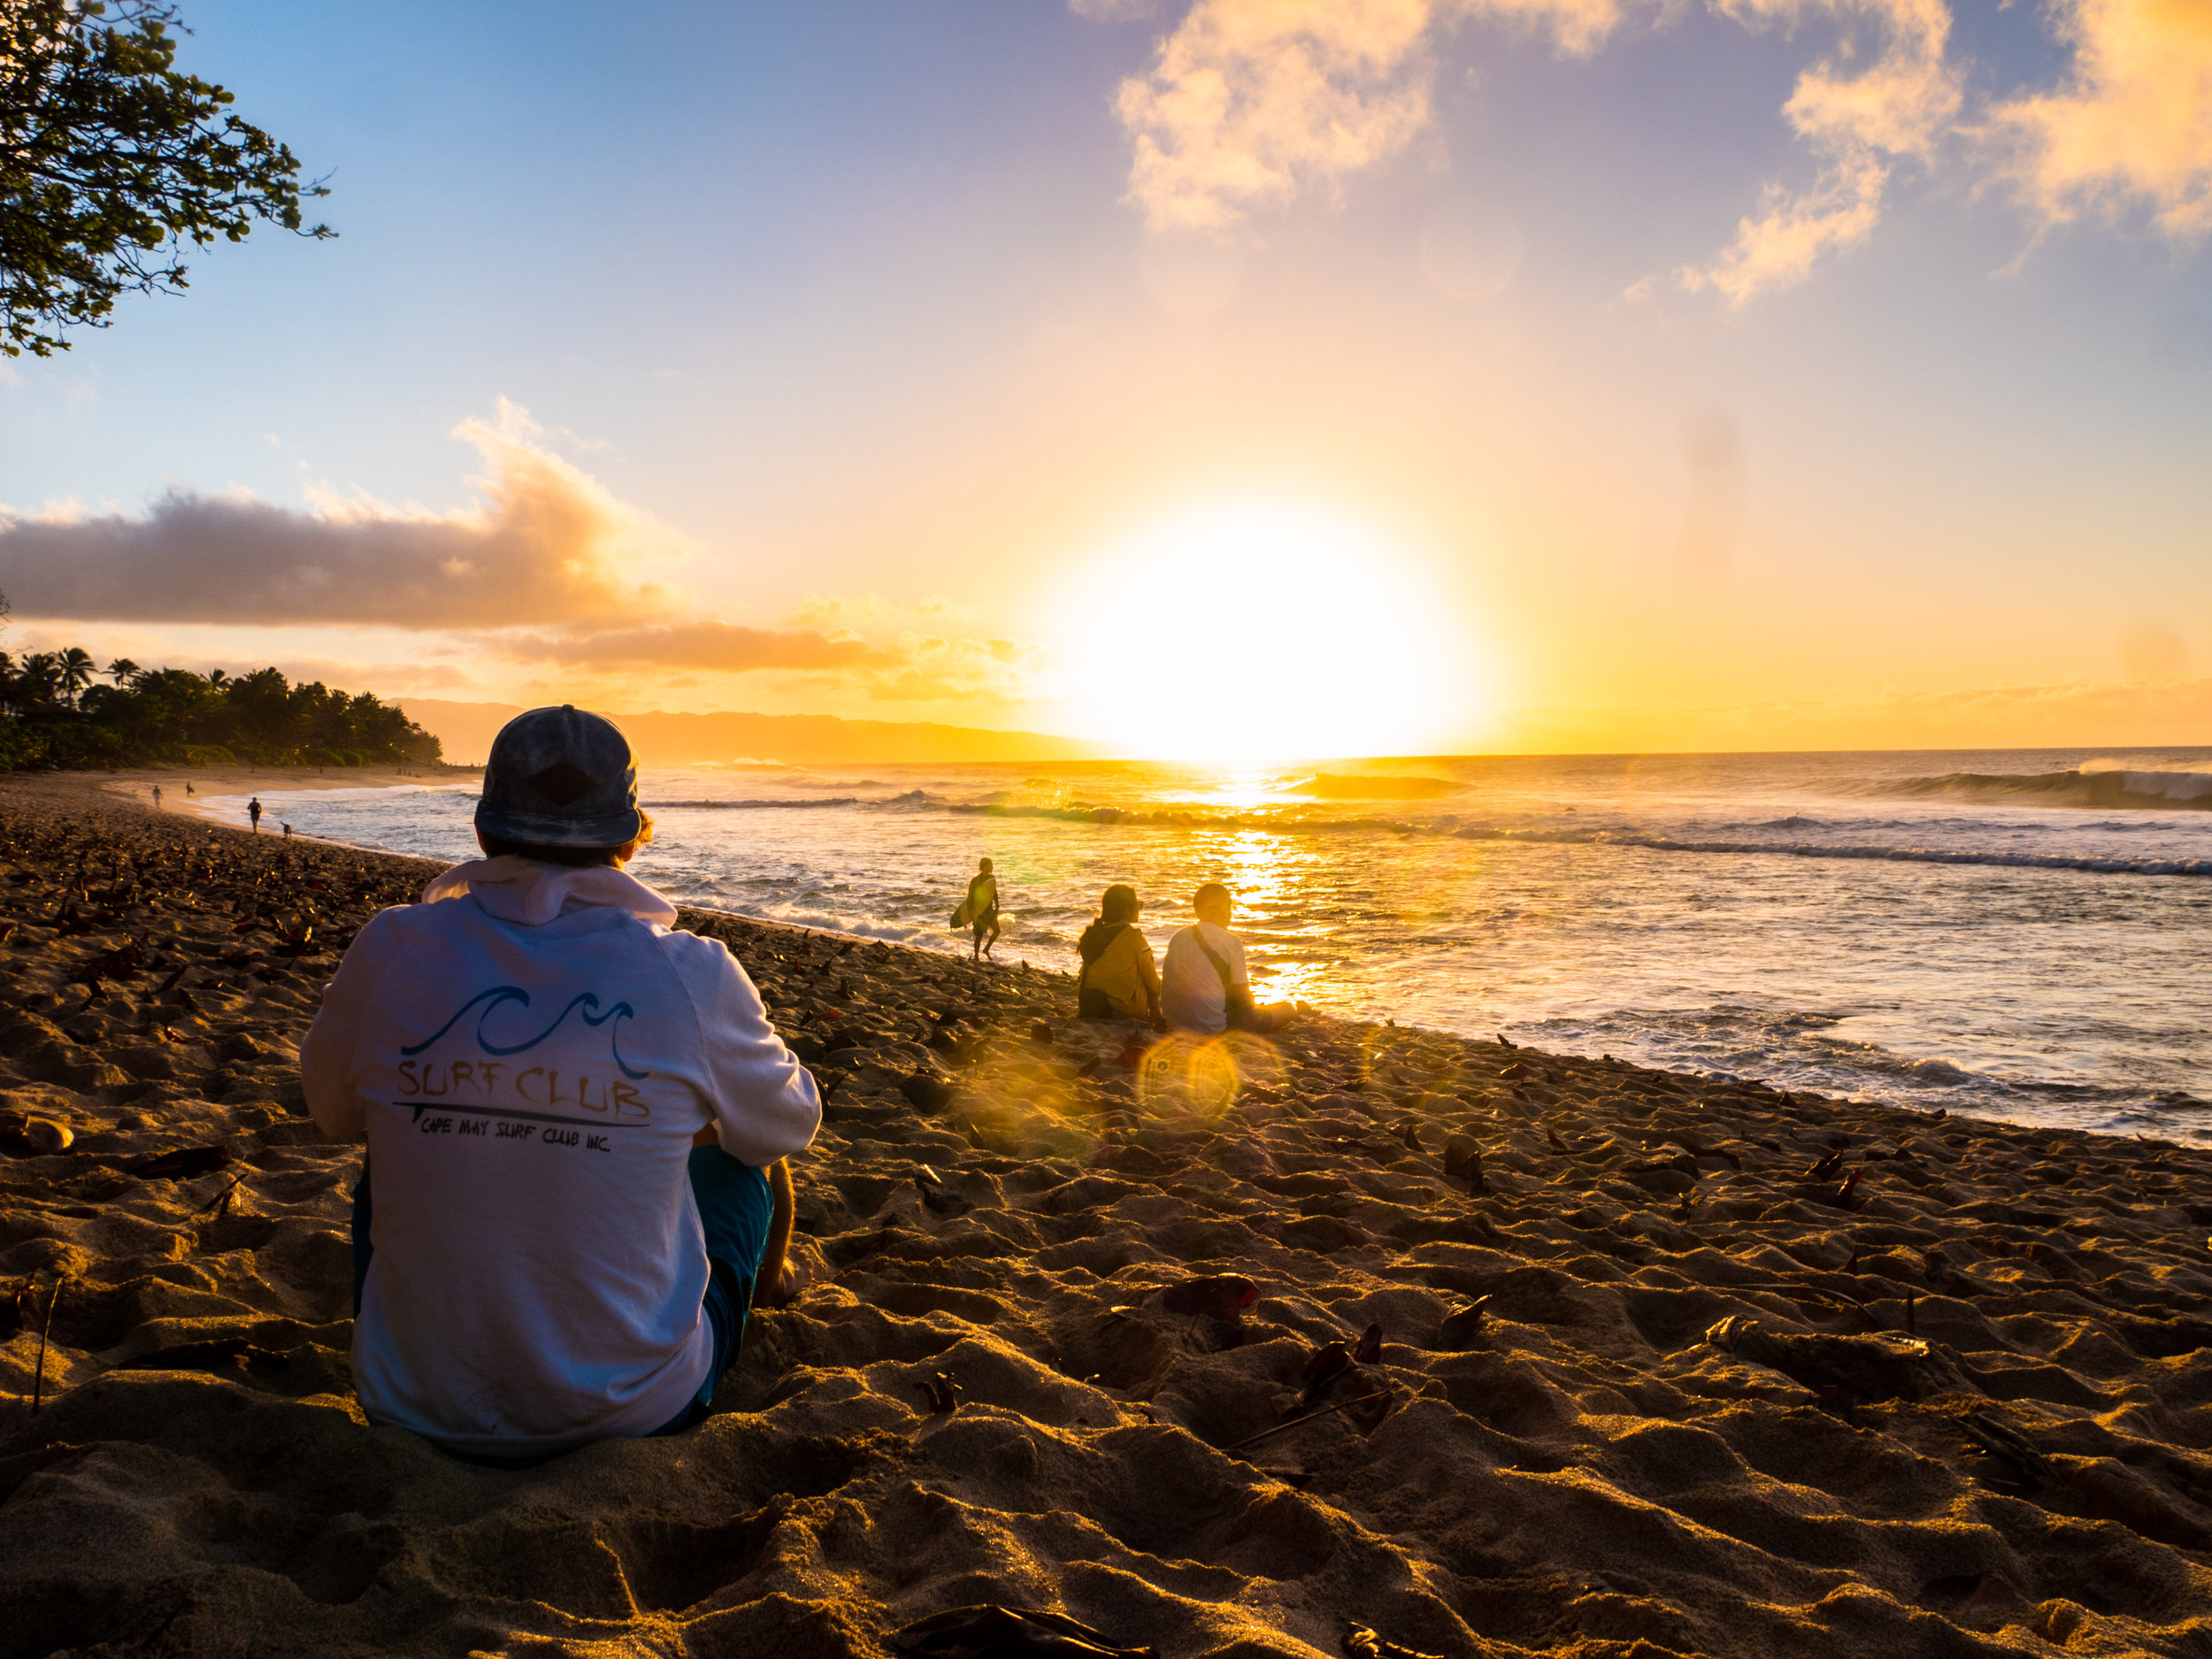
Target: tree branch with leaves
<point x="112" y="162"/>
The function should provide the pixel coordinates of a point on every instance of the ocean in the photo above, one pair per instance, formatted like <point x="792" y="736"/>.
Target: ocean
<point x="2015" y="934"/>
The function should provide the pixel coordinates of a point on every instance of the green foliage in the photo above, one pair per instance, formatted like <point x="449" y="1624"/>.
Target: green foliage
<point x="170" y="717"/>
<point x="110" y="162"/>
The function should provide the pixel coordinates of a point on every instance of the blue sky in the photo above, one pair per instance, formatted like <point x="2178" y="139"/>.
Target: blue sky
<point x="848" y="341"/>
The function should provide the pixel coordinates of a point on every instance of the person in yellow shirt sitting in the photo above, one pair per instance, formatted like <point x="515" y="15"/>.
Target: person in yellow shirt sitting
<point x="1119" y="980"/>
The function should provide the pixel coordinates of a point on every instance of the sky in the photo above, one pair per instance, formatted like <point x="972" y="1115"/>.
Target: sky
<point x="1248" y="376"/>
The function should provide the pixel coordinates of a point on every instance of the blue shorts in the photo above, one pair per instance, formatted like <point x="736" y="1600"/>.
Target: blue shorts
<point x="735" y="1208"/>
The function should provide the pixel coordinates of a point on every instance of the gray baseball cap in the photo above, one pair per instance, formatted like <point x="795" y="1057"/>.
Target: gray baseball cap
<point x="560" y="777"/>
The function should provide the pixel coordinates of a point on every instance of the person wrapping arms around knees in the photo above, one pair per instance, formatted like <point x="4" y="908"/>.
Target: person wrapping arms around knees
<point x="1119" y="980"/>
<point x="575" y="1117"/>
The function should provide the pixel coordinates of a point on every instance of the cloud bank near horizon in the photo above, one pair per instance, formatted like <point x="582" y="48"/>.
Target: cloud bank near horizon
<point x="1250" y="104"/>
<point x="549" y="566"/>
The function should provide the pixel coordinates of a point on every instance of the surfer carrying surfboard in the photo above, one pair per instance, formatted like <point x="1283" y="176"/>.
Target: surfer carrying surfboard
<point x="978" y="911"/>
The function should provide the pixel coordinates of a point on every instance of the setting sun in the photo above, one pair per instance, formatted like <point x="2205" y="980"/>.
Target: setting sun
<point x="1249" y="632"/>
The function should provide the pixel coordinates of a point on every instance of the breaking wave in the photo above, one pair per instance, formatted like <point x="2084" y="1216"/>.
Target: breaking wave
<point x="1598" y="837"/>
<point x="1822" y="849"/>
<point x="2179" y="789"/>
<point x="746" y="806"/>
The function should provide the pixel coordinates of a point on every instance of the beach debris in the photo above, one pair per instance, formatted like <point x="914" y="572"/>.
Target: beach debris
<point x="1040" y="1030"/>
<point x="1462" y="1161"/>
<point x="1360" y="1642"/>
<point x="991" y="1632"/>
<point x="1325" y="1364"/>
<point x="46" y="1326"/>
<point x="941" y="1199"/>
<point x="1698" y="1149"/>
<point x="1223" y="1297"/>
<point x="1826" y="1167"/>
<point x="223" y="1198"/>
<point x="182" y="1164"/>
<point x="2001" y="1440"/>
<point x="1690" y="1201"/>
<point x="1311" y="1417"/>
<point x="942" y="1390"/>
<point x="1838" y="1197"/>
<point x="1461" y="1324"/>
<point x="1513" y="1068"/>
<point x="924" y="1092"/>
<point x="1876" y="1365"/>
<point x="1410" y="1132"/>
<point x="1503" y="1041"/>
<point x="1368" y="1349"/>
<point x="40" y="1135"/>
<point x="1912" y="1327"/>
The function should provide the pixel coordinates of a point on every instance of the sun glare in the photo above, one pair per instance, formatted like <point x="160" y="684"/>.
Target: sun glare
<point x="1250" y="634"/>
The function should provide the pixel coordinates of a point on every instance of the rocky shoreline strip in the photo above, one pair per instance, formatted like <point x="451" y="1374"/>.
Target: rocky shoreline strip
<point x="1368" y="1341"/>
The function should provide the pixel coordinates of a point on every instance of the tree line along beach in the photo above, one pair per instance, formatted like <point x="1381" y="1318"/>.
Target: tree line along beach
<point x="1373" y="1336"/>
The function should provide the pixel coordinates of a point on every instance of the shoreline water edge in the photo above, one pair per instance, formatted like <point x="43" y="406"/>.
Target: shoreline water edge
<point x="1889" y="928"/>
<point x="1365" y="1335"/>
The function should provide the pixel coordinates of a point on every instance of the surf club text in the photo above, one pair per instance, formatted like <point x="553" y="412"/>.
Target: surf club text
<point x="492" y="1082"/>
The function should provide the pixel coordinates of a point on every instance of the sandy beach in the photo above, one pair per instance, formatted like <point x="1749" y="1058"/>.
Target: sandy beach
<point x="1365" y="1342"/>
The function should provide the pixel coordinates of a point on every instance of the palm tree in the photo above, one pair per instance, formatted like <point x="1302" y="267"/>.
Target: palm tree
<point x="41" y="677"/>
<point x="122" y="671"/>
<point x="218" y="678"/>
<point x="77" y="671"/>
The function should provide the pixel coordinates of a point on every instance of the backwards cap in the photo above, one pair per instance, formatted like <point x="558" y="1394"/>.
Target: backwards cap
<point x="560" y="777"/>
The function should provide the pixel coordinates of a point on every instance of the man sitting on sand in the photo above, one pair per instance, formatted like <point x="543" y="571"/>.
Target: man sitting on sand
<point x="1119" y="980"/>
<point x="571" y="1111"/>
<point x="1206" y="985"/>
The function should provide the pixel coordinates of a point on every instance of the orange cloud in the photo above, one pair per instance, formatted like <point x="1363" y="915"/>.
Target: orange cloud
<point x="2132" y="124"/>
<point x="548" y="543"/>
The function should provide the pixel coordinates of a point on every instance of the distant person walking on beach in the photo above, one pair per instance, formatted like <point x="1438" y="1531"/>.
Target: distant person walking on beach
<point x="157" y="797"/>
<point x="576" y="1120"/>
<point x="1206" y="984"/>
<point x="287" y="832"/>
<point x="188" y="785"/>
<point x="253" y="811"/>
<point x="978" y="911"/>
<point x="1119" y="980"/>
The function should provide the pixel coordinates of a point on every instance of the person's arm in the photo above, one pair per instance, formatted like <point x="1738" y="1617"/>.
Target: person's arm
<point x="765" y="1103"/>
<point x="326" y="1053"/>
<point x="1148" y="975"/>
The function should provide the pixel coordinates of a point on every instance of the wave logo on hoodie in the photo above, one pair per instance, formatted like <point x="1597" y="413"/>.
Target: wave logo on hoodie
<point x="493" y="1000"/>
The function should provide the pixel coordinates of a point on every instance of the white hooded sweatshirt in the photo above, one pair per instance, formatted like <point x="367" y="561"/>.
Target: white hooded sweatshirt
<point x="528" y="1053"/>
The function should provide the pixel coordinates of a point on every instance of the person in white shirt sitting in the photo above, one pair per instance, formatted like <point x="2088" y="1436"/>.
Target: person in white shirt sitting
<point x="1205" y="984"/>
<point x="571" y="1113"/>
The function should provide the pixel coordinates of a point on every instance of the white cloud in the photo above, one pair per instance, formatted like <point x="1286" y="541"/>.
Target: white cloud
<point x="1251" y="104"/>
<point x="1251" y="101"/>
<point x="1899" y="107"/>
<point x="2132" y="122"/>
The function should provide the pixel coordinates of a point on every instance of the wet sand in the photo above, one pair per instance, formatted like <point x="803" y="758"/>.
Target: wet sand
<point x="1631" y="1364"/>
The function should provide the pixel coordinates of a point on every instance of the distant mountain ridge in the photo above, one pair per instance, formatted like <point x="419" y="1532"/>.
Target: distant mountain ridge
<point x="466" y="730"/>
